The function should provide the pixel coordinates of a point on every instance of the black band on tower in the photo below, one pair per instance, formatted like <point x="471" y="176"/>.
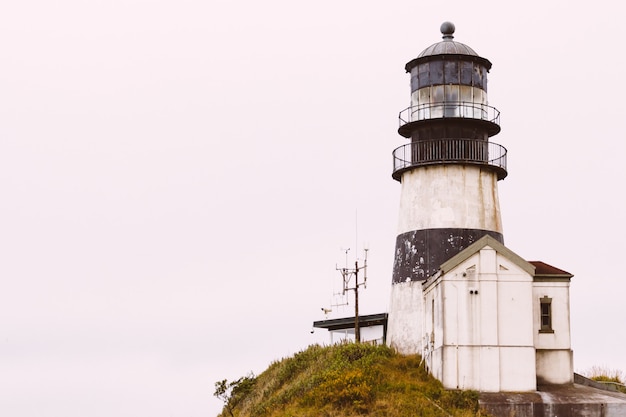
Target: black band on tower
<point x="420" y="253"/>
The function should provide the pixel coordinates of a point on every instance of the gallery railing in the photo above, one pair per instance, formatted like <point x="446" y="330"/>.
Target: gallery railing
<point x="449" y="109"/>
<point x="450" y="151"/>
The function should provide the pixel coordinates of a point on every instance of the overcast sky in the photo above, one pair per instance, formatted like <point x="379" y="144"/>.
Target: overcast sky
<point x="178" y="180"/>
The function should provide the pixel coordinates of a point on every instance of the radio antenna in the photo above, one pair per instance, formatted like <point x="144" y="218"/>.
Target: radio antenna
<point x="350" y="284"/>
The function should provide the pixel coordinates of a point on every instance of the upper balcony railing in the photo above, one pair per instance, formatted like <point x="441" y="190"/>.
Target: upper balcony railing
<point x="451" y="109"/>
<point x="450" y="151"/>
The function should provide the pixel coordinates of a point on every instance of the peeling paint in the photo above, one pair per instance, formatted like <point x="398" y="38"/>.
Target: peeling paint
<point x="420" y="253"/>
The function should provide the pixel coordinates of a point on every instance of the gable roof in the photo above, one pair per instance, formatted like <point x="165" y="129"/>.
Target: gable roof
<point x="492" y="243"/>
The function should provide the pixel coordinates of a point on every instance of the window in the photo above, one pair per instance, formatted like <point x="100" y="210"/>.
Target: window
<point x="546" y="315"/>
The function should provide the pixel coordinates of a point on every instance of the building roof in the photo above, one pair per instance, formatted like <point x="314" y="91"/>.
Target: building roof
<point x="487" y="240"/>
<point x="447" y="45"/>
<point x="348" y="322"/>
<point x="543" y="270"/>
<point x="446" y="48"/>
<point x="540" y="271"/>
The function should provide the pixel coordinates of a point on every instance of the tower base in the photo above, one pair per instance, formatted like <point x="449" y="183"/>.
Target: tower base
<point x="404" y="323"/>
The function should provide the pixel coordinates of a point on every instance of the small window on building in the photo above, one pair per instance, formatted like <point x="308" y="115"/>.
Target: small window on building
<point x="546" y="315"/>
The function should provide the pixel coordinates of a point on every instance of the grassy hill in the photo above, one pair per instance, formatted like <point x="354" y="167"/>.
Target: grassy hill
<point x="345" y="380"/>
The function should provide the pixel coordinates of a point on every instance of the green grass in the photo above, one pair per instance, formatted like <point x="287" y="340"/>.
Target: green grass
<point x="351" y="380"/>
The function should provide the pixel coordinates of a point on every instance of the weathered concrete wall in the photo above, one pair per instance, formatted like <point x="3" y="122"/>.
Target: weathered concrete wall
<point x="571" y="400"/>
<point x="555" y="366"/>
<point x="449" y="196"/>
<point x="405" y="320"/>
<point x="583" y="380"/>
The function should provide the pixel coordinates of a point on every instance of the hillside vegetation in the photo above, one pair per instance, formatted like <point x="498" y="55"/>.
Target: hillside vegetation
<point x="351" y="379"/>
<point x="606" y="375"/>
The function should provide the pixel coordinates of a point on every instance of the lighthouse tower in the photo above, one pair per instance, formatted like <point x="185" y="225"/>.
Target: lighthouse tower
<point x="448" y="172"/>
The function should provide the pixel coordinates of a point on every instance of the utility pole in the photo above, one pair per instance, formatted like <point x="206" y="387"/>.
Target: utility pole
<point x="347" y="275"/>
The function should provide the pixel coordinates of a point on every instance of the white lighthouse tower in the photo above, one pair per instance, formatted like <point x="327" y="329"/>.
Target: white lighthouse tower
<point x="481" y="316"/>
<point x="448" y="172"/>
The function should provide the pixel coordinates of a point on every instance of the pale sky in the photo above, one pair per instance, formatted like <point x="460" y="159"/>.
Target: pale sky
<point x="178" y="180"/>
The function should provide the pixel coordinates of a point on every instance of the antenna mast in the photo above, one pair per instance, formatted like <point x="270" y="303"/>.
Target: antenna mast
<point x="347" y="274"/>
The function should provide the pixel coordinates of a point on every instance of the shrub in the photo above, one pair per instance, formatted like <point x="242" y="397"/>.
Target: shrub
<point x="232" y="393"/>
<point x="467" y="400"/>
<point x="344" y="388"/>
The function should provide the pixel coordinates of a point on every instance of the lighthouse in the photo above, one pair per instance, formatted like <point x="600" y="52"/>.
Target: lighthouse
<point x="448" y="170"/>
<point x="481" y="316"/>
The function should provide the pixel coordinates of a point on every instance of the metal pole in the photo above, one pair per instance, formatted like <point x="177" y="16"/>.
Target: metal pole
<point x="357" y="330"/>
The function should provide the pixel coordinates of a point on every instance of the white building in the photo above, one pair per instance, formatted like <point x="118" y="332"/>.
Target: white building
<point x="495" y="322"/>
<point x="372" y="328"/>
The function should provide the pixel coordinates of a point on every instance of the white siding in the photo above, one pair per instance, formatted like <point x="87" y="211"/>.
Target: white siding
<point x="554" y="354"/>
<point x="486" y="325"/>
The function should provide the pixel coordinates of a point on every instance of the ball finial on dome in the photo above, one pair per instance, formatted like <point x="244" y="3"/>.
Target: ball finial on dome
<point x="447" y="29"/>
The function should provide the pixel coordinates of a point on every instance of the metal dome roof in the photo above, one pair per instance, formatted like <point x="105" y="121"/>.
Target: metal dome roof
<point x="447" y="45"/>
